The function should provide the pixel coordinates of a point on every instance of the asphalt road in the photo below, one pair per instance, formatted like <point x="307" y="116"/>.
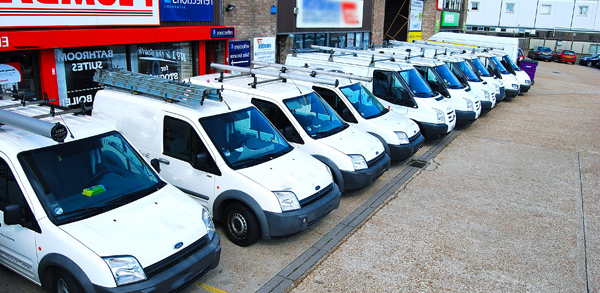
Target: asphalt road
<point x="507" y="204"/>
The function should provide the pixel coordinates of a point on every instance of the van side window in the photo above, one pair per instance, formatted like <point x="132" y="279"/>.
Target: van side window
<point x="381" y="85"/>
<point x="11" y="193"/>
<point x="181" y="141"/>
<point x="336" y="103"/>
<point x="278" y="118"/>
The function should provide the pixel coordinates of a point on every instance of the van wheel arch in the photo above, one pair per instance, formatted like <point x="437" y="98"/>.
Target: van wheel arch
<point x="229" y="197"/>
<point x="335" y="171"/>
<point x="52" y="264"/>
<point x="386" y="147"/>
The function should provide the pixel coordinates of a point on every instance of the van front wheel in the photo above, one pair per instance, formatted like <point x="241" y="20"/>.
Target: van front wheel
<point x="241" y="225"/>
<point x="65" y="283"/>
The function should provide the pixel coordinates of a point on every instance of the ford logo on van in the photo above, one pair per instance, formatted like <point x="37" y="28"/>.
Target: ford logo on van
<point x="178" y="245"/>
<point x="317" y="187"/>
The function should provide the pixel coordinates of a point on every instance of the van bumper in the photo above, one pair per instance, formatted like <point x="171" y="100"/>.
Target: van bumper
<point x="435" y="130"/>
<point x="511" y="93"/>
<point x="466" y="117"/>
<point x="405" y="151"/>
<point x="486" y="106"/>
<point x="292" y="222"/>
<point x="361" y="178"/>
<point x="525" y="88"/>
<point x="179" y="275"/>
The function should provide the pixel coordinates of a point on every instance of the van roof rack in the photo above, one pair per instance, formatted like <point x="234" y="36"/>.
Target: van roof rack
<point x="156" y="87"/>
<point x="313" y="72"/>
<point x="386" y="57"/>
<point x="55" y="131"/>
<point x="280" y="76"/>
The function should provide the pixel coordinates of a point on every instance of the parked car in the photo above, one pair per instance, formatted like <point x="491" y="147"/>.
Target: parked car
<point x="520" y="56"/>
<point x="567" y="56"/>
<point x="589" y="61"/>
<point x="540" y="53"/>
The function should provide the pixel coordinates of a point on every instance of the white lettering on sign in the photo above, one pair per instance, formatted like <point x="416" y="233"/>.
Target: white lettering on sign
<point x="85" y="55"/>
<point x="4" y="42"/>
<point x="83" y="66"/>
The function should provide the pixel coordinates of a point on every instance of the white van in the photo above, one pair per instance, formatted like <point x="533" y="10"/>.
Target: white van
<point x="512" y="67"/>
<point x="354" y="157"/>
<point x="463" y="71"/>
<point x="81" y="211"/>
<point x="494" y="84"/>
<point x="506" y="44"/>
<point x="493" y="65"/>
<point x="225" y="154"/>
<point x="359" y="107"/>
<point x="465" y="100"/>
<point x="398" y="86"/>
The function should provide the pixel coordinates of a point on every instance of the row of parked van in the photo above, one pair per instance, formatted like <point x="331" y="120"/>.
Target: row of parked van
<point x="124" y="200"/>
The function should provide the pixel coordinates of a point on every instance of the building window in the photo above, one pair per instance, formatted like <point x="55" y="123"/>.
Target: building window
<point x="583" y="10"/>
<point x="510" y="8"/>
<point x="452" y="4"/>
<point x="474" y="6"/>
<point x="545" y="9"/>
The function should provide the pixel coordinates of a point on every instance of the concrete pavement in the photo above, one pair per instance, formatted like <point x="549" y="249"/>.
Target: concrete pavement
<point x="511" y="205"/>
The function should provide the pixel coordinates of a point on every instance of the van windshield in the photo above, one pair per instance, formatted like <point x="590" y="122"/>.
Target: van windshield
<point x="86" y="177"/>
<point x="466" y="69"/>
<point x="363" y="101"/>
<point x="245" y="137"/>
<point x="509" y="61"/>
<point x="416" y="83"/>
<point x="314" y="115"/>
<point x="477" y="64"/>
<point x="448" y="77"/>
<point x="499" y="65"/>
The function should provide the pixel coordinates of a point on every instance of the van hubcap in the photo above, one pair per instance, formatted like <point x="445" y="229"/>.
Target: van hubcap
<point x="62" y="286"/>
<point x="237" y="225"/>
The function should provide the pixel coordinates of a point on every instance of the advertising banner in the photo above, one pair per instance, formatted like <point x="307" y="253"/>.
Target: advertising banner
<point x="163" y="60"/>
<point x="55" y="13"/>
<point x="10" y="72"/>
<point x="264" y="49"/>
<point x="239" y="53"/>
<point x="186" y="10"/>
<point x="329" y="13"/>
<point x="416" y="15"/>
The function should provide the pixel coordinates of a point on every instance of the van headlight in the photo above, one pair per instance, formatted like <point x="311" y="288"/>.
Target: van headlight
<point x="358" y="162"/>
<point x="440" y="116"/>
<point x="402" y="137"/>
<point x="497" y="89"/>
<point x="208" y="222"/>
<point x="287" y="200"/>
<point x="515" y="86"/>
<point x="125" y="269"/>
<point x="469" y="104"/>
<point x="486" y="95"/>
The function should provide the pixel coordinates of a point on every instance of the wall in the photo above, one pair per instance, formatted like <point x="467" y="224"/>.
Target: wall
<point x="378" y="19"/>
<point x="430" y="15"/>
<point x="251" y="19"/>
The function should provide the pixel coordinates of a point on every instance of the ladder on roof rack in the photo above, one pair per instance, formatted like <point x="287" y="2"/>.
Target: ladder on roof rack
<point x="313" y="72"/>
<point x="279" y="75"/>
<point x="156" y="87"/>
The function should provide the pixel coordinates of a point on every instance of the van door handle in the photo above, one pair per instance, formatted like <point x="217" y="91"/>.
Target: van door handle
<point x="156" y="163"/>
<point x="164" y="161"/>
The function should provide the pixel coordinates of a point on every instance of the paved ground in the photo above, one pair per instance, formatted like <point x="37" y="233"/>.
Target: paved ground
<point x="511" y="205"/>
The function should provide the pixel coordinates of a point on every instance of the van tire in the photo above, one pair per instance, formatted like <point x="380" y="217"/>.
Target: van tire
<point x="241" y="226"/>
<point x="65" y="283"/>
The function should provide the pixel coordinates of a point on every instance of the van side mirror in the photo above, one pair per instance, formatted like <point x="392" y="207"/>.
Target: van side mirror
<point x="200" y="161"/>
<point x="12" y="215"/>
<point x="155" y="164"/>
<point x="346" y="115"/>
<point x="290" y="134"/>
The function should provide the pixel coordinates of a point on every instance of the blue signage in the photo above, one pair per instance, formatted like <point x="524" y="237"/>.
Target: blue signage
<point x="222" y="33"/>
<point x="239" y="53"/>
<point x="186" y="10"/>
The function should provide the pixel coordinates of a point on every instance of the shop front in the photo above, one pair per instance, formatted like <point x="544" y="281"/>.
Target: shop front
<point x="52" y="50"/>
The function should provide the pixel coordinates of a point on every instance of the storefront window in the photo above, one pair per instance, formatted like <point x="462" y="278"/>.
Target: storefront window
<point x="172" y="61"/>
<point x="75" y="69"/>
<point x="19" y="74"/>
<point x="338" y="40"/>
<point x="350" y="40"/>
